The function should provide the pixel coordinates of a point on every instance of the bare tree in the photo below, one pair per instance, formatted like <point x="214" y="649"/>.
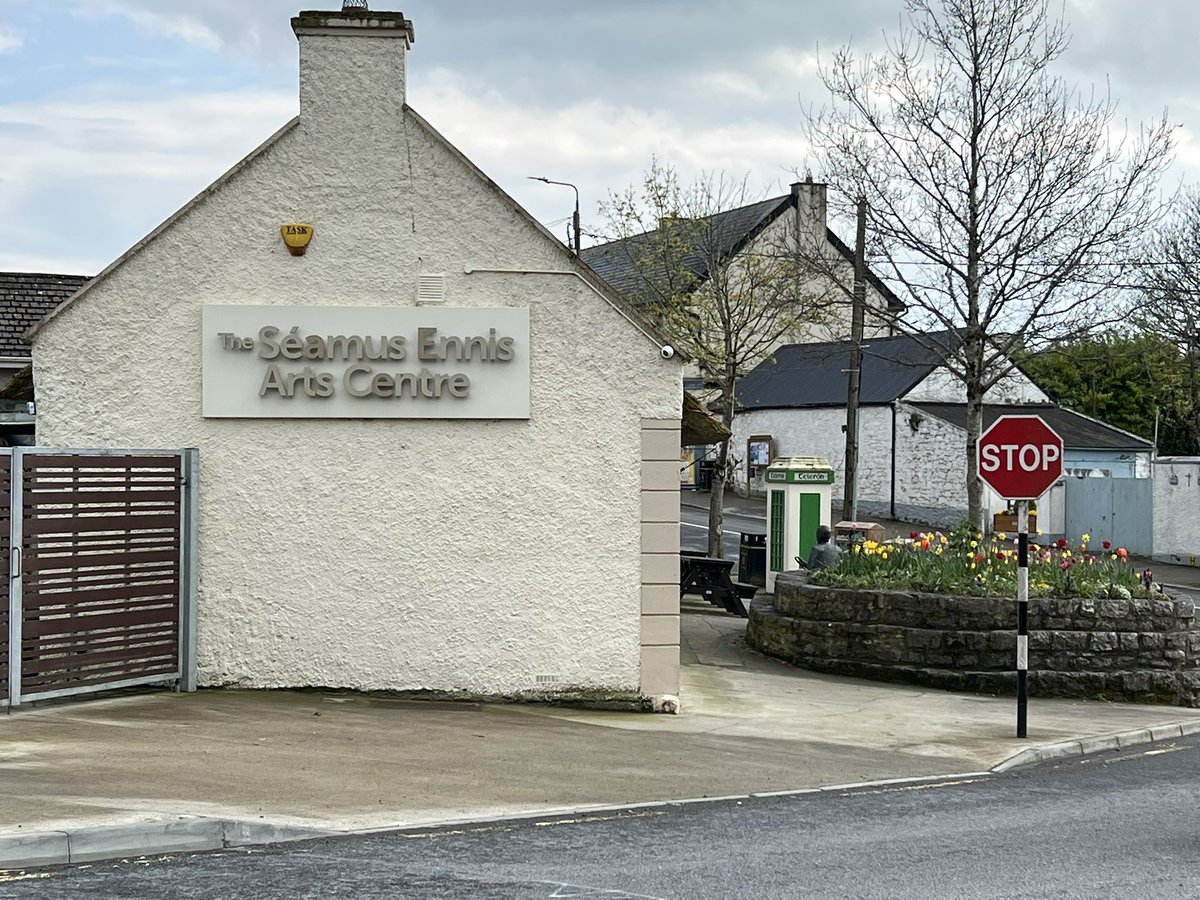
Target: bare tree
<point x="1170" y="304"/>
<point x="1000" y="198"/>
<point x="726" y="302"/>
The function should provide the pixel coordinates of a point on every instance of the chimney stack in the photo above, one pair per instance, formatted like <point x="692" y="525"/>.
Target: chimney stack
<point x="810" y="208"/>
<point x="352" y="64"/>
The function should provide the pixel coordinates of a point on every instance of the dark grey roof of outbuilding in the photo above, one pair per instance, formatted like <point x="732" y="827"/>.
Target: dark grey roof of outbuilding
<point x="617" y="263"/>
<point x="1079" y="432"/>
<point x="25" y="297"/>
<point x="812" y="375"/>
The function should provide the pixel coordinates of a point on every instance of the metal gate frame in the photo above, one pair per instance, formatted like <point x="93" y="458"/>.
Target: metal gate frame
<point x="184" y="675"/>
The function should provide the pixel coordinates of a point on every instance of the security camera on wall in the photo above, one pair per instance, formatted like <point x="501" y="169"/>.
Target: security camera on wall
<point x="667" y="351"/>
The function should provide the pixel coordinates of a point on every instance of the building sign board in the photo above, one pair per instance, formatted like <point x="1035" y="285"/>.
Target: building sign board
<point x="799" y="476"/>
<point x="353" y="362"/>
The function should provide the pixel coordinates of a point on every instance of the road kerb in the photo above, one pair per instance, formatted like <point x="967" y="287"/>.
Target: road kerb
<point x="1122" y="740"/>
<point x="181" y="835"/>
<point x="47" y="848"/>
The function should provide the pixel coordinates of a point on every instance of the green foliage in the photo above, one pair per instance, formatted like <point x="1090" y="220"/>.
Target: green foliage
<point x="966" y="563"/>
<point x="1123" y="380"/>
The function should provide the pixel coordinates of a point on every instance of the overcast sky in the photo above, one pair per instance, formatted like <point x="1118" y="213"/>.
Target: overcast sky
<point x="114" y="113"/>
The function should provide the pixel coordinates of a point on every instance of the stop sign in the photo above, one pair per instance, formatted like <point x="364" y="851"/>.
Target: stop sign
<point x="1020" y="457"/>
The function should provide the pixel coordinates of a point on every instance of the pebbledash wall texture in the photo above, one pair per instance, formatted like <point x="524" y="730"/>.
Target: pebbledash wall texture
<point x="1176" y="499"/>
<point x="496" y="557"/>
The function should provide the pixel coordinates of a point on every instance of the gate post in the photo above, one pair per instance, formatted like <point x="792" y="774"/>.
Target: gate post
<point x="15" y="606"/>
<point x="189" y="565"/>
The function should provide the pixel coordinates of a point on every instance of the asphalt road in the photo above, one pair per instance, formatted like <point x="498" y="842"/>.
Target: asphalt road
<point x="1113" y="825"/>
<point x="693" y="530"/>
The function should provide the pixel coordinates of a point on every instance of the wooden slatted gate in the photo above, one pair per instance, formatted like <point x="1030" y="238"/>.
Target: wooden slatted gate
<point x="5" y="570"/>
<point x="100" y="571"/>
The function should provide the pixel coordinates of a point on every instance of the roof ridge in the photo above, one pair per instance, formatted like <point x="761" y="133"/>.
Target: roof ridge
<point x="724" y="212"/>
<point x="43" y="275"/>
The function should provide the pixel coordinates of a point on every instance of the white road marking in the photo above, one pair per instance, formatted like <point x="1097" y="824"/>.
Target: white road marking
<point x="705" y="528"/>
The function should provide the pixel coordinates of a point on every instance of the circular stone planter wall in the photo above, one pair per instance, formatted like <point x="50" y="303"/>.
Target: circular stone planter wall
<point x="1142" y="650"/>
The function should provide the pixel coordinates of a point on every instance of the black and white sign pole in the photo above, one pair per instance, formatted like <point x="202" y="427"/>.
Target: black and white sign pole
<point x="1022" y="614"/>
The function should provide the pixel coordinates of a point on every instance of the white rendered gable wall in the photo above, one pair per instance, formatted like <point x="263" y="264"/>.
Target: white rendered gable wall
<point x="434" y="554"/>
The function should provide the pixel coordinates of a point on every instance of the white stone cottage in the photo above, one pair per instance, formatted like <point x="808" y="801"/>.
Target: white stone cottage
<point x="912" y="427"/>
<point x="794" y="225"/>
<point x="458" y="473"/>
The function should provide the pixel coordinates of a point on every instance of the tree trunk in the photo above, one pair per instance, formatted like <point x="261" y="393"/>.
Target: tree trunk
<point x="716" y="503"/>
<point x="975" y="510"/>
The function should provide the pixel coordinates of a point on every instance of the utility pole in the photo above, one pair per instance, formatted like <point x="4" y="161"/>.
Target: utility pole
<point x="858" y="311"/>
<point x="575" y="218"/>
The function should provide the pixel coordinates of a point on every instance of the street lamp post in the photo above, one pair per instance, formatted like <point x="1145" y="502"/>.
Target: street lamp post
<point x="576" y="190"/>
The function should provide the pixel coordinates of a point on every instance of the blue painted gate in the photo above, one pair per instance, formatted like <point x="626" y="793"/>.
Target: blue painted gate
<point x="1120" y="510"/>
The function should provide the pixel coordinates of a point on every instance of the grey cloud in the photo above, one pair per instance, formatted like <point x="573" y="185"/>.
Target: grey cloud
<point x="584" y="92"/>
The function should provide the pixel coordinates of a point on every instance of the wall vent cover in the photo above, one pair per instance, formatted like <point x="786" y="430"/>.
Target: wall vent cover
<point x="431" y="288"/>
<point x="547" y="679"/>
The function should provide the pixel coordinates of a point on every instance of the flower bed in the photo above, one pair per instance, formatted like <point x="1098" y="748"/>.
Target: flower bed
<point x="966" y="563"/>
<point x="1144" y="649"/>
<point x="938" y="610"/>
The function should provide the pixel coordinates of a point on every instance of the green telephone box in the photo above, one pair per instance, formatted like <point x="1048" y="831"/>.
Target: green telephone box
<point x="798" y="502"/>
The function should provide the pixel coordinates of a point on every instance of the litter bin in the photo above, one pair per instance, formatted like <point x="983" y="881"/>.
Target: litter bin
<point x="704" y="473"/>
<point x="752" y="559"/>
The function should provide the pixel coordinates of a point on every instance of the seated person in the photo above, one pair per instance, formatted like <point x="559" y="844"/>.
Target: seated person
<point x="824" y="554"/>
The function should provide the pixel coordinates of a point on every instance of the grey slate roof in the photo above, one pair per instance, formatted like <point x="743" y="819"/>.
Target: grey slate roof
<point x="1077" y="431"/>
<point x="25" y="297"/>
<point x="813" y="375"/>
<point x="616" y="261"/>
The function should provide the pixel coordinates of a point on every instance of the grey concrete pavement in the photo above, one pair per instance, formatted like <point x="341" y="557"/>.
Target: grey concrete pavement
<point x="162" y="771"/>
